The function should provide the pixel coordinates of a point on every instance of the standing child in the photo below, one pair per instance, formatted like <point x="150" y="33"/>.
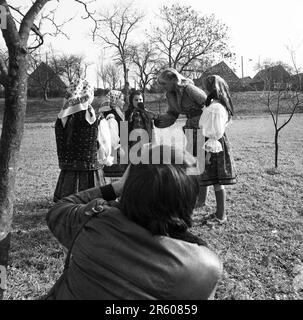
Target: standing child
<point x="138" y="117"/>
<point x="219" y="166"/>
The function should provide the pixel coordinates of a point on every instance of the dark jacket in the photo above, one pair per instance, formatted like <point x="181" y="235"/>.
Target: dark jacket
<point x="114" y="258"/>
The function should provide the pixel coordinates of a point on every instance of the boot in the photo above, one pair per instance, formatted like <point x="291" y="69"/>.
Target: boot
<point x="201" y="199"/>
<point x="220" y="199"/>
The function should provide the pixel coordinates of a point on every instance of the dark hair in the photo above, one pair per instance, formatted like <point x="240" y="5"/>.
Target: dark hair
<point x="134" y="93"/>
<point x="218" y="89"/>
<point x="161" y="197"/>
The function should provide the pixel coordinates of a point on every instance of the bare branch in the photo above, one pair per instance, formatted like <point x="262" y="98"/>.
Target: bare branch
<point x="10" y="33"/>
<point x="28" y="20"/>
<point x="90" y="15"/>
<point x="58" y="27"/>
<point x="291" y="116"/>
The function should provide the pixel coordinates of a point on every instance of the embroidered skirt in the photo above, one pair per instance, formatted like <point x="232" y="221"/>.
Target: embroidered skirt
<point x="70" y="182"/>
<point x="221" y="169"/>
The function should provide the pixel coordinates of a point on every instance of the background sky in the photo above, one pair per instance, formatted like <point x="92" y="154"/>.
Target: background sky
<point x="258" y="29"/>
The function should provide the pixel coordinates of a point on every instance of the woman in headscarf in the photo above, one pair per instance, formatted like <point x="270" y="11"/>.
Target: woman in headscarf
<point x="83" y="142"/>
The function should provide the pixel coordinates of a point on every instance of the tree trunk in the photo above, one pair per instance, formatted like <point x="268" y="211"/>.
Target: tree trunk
<point x="45" y="97"/>
<point x="276" y="148"/>
<point x="125" y="70"/>
<point x="10" y="141"/>
<point x="4" y="249"/>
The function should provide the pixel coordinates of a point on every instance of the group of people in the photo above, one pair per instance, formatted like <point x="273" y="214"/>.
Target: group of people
<point x="131" y="239"/>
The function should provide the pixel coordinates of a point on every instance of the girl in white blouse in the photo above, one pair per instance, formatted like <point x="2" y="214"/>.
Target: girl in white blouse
<point x="219" y="165"/>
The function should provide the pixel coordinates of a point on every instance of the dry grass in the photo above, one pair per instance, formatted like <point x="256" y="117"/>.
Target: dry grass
<point x="261" y="246"/>
<point x="246" y="104"/>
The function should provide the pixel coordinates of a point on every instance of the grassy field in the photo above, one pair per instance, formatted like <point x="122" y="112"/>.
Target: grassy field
<point x="261" y="246"/>
<point x="246" y="104"/>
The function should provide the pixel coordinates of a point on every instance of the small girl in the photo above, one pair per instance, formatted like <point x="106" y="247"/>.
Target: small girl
<point x="219" y="164"/>
<point x="138" y="116"/>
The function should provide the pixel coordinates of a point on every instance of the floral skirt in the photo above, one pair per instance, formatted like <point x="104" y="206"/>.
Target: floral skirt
<point x="221" y="169"/>
<point x="70" y="182"/>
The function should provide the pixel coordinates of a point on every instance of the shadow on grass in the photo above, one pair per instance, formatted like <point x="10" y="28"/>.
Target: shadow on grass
<point x="273" y="171"/>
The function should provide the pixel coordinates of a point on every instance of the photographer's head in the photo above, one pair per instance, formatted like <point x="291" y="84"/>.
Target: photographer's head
<point x="161" y="197"/>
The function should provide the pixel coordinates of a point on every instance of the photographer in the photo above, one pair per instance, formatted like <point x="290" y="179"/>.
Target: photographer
<point x="139" y="247"/>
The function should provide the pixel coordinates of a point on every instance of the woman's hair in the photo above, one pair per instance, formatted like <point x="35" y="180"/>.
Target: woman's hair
<point x="172" y="75"/>
<point x="130" y="108"/>
<point x="134" y="93"/>
<point x="218" y="89"/>
<point x="161" y="197"/>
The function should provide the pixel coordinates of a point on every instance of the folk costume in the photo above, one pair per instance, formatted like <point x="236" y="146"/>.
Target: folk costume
<point x="220" y="168"/>
<point x="112" y="103"/>
<point x="83" y="142"/>
<point x="112" y="109"/>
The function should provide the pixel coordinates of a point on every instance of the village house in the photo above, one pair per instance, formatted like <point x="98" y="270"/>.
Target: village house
<point x="224" y="71"/>
<point x="271" y="78"/>
<point x="44" y="82"/>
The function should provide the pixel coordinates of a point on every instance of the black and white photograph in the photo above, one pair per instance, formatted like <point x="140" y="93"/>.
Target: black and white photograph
<point x="151" y="150"/>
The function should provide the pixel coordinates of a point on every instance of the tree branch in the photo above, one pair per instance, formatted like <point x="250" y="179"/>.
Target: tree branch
<point x="90" y="15"/>
<point x="28" y="20"/>
<point x="292" y="114"/>
<point x="10" y="34"/>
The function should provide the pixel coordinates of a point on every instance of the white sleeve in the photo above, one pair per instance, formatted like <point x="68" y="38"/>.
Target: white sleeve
<point x="104" y="138"/>
<point x="114" y="131"/>
<point x="213" y="122"/>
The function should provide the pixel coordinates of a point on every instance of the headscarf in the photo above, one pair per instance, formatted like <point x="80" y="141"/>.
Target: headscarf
<point x="79" y="96"/>
<point x="114" y="99"/>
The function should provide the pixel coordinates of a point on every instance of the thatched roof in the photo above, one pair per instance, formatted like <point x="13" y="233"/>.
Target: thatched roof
<point x="246" y="80"/>
<point x="274" y="73"/>
<point x="44" y="76"/>
<point x="224" y="71"/>
<point x="44" y="72"/>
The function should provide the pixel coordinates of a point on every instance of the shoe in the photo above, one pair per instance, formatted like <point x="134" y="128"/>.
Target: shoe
<point x="212" y="219"/>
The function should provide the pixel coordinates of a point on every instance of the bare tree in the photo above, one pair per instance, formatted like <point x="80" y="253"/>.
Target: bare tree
<point x="110" y="74"/>
<point x="147" y="63"/>
<point x="185" y="36"/>
<point x="20" y="25"/>
<point x="71" y="66"/>
<point x="281" y="96"/>
<point x="113" y="75"/>
<point x="197" y="67"/>
<point x="114" y="29"/>
<point x="101" y="74"/>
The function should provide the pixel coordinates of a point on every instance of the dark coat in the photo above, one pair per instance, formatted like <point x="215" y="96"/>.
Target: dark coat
<point x="114" y="258"/>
